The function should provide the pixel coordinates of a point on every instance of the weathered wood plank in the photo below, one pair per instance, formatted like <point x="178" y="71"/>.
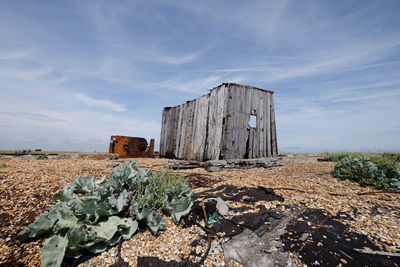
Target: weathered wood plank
<point x="174" y="125"/>
<point x="170" y="132"/>
<point x="255" y="105"/>
<point x="200" y="127"/>
<point x="251" y="143"/>
<point x="165" y="131"/>
<point x="183" y="131"/>
<point x="242" y="123"/>
<point x="267" y="108"/>
<point x="187" y="149"/>
<point x="274" y="142"/>
<point x="260" y="125"/>
<point x="162" y="134"/>
<point x="232" y="121"/>
<point x="224" y="109"/>
<point x="178" y="131"/>
<point x="247" y="112"/>
<point x="214" y="123"/>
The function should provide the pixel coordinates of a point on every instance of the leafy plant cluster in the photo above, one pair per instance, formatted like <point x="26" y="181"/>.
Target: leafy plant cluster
<point x="380" y="172"/>
<point x="42" y="157"/>
<point x="92" y="216"/>
<point x="392" y="156"/>
<point x="336" y="157"/>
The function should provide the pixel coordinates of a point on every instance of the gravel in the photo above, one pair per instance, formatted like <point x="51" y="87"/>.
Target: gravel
<point x="26" y="187"/>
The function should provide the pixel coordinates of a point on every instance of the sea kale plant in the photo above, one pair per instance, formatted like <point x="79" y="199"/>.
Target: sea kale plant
<point x="90" y="215"/>
<point x="335" y="157"/>
<point x="379" y="172"/>
<point x="392" y="156"/>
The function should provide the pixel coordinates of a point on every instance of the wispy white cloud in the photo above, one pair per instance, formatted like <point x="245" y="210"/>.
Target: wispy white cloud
<point x="203" y="83"/>
<point x="100" y="103"/>
<point x="369" y="96"/>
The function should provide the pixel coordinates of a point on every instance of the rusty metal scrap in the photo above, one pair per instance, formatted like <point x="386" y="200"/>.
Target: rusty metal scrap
<point x="131" y="147"/>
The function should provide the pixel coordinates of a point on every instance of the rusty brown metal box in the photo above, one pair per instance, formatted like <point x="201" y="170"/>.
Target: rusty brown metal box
<point x="131" y="147"/>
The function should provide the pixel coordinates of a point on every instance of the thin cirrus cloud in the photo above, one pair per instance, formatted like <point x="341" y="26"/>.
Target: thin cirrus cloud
<point x="100" y="103"/>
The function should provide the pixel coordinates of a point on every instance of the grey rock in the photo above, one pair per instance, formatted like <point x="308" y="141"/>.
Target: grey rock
<point x="28" y="157"/>
<point x="68" y="156"/>
<point x="7" y="157"/>
<point x="113" y="164"/>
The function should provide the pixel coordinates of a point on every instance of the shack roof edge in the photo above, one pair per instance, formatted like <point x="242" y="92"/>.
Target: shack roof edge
<point x="226" y="84"/>
<point x="243" y="85"/>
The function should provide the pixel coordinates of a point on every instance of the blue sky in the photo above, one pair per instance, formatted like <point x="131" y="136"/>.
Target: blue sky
<point x="72" y="73"/>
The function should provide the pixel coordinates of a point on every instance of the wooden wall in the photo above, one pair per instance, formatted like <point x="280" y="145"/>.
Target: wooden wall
<point x="216" y="125"/>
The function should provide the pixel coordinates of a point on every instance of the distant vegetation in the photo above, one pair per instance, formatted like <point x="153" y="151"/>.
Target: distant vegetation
<point x="3" y="165"/>
<point x="338" y="156"/>
<point x="23" y="151"/>
<point x="379" y="170"/>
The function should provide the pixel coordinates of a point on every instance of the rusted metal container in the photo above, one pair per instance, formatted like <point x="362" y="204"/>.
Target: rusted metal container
<point x="131" y="147"/>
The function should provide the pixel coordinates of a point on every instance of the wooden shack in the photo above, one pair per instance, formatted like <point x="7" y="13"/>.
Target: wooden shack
<point x="232" y="121"/>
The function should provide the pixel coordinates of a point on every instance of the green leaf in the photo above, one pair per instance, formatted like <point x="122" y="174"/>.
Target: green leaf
<point x="84" y="184"/>
<point x="41" y="226"/>
<point x="181" y="208"/>
<point x="128" y="228"/>
<point x="155" y="222"/>
<point x="106" y="230"/>
<point x="122" y="200"/>
<point x="115" y="239"/>
<point x="65" y="194"/>
<point x="132" y="164"/>
<point x="140" y="213"/>
<point x="76" y="236"/>
<point x="91" y="209"/>
<point x="66" y="218"/>
<point x="98" y="247"/>
<point x="53" y="251"/>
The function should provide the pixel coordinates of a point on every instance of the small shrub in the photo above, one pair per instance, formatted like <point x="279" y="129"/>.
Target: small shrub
<point x="391" y="172"/>
<point x="42" y="157"/>
<point x="392" y="156"/>
<point x="163" y="183"/>
<point x="381" y="173"/>
<point x="336" y="157"/>
<point x="3" y="165"/>
<point x="23" y="151"/>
